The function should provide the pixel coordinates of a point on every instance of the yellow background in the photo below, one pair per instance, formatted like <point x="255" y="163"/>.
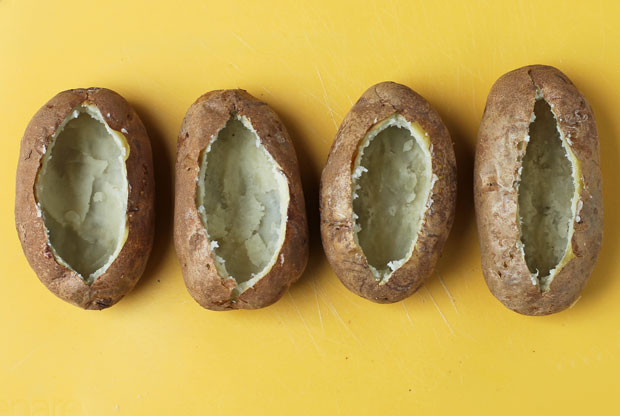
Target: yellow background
<point x="451" y="347"/>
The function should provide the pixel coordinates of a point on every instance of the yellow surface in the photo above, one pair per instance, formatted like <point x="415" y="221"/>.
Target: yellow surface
<point x="451" y="347"/>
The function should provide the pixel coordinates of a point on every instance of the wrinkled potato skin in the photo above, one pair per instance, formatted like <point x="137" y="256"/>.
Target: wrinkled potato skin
<point x="203" y="120"/>
<point x="504" y="124"/>
<point x="344" y="254"/>
<point x="125" y="271"/>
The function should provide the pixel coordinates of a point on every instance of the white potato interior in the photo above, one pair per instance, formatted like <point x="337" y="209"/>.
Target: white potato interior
<point x="547" y="196"/>
<point x="82" y="193"/>
<point x="243" y="200"/>
<point x="392" y="181"/>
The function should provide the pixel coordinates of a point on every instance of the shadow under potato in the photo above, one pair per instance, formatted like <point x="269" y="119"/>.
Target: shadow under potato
<point x="608" y="132"/>
<point x="310" y="172"/>
<point x="163" y="164"/>
<point x="454" y="257"/>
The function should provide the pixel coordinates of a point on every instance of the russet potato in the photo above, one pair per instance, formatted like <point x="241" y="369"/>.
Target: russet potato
<point x="388" y="194"/>
<point x="240" y="226"/>
<point x="537" y="188"/>
<point x="84" y="197"/>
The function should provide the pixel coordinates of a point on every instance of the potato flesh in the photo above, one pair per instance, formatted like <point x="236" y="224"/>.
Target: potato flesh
<point x="546" y="196"/>
<point x="82" y="192"/>
<point x="243" y="199"/>
<point x="391" y="188"/>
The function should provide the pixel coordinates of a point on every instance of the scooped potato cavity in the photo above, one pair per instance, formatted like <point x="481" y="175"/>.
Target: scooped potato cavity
<point x="242" y="199"/>
<point x="548" y="194"/>
<point x="82" y="192"/>
<point x="391" y="187"/>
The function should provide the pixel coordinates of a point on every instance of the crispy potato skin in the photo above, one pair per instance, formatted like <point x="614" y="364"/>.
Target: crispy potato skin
<point x="203" y="120"/>
<point x="344" y="254"/>
<point x="125" y="271"/>
<point x="504" y="125"/>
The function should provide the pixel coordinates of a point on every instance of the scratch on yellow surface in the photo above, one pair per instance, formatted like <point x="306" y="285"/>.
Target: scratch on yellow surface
<point x="575" y="302"/>
<point x="303" y="320"/>
<point x="443" y="317"/>
<point x="443" y="284"/>
<point x="267" y="90"/>
<point x="243" y="42"/>
<point x="342" y="322"/>
<point x="326" y="98"/>
<point x="318" y="306"/>
<point x="26" y="357"/>
<point x="407" y="313"/>
<point x="288" y="329"/>
<point x="349" y="99"/>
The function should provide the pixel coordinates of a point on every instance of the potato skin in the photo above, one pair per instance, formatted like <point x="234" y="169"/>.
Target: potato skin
<point x="125" y="271"/>
<point x="344" y="254"/>
<point x="504" y="124"/>
<point x="204" y="119"/>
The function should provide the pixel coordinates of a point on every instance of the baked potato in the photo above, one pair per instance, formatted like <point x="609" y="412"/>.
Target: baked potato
<point x="537" y="188"/>
<point x="388" y="194"/>
<point x="240" y="228"/>
<point x="84" y="196"/>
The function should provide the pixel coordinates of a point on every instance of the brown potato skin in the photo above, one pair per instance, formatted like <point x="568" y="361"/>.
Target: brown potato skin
<point x="203" y="120"/>
<point x="504" y="125"/>
<point x="344" y="254"/>
<point x="125" y="271"/>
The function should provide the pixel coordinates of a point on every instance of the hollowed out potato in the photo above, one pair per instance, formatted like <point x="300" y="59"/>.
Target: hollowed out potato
<point x="240" y="223"/>
<point x="84" y="203"/>
<point x="538" y="191"/>
<point x="387" y="194"/>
